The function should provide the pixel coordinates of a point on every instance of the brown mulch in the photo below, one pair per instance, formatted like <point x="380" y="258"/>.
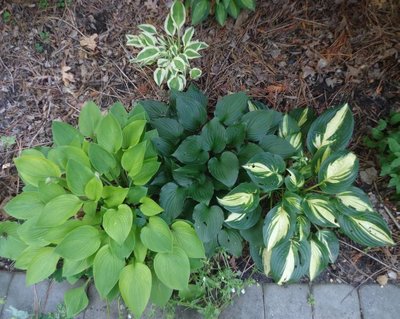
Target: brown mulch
<point x="287" y="53"/>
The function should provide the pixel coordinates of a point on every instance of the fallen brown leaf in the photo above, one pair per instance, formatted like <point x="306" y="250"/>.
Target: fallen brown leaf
<point x="66" y="76"/>
<point x="382" y="280"/>
<point x="89" y="42"/>
<point x="276" y="88"/>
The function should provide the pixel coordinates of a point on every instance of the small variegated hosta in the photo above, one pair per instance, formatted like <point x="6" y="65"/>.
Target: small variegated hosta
<point x="172" y="52"/>
<point x="281" y="182"/>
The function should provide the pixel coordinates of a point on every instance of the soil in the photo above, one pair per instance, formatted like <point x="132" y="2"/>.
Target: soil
<point x="287" y="54"/>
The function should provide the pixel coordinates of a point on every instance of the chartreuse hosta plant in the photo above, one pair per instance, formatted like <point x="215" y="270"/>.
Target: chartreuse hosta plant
<point x="172" y="53"/>
<point x="221" y="9"/>
<point x="85" y="210"/>
<point x="282" y="182"/>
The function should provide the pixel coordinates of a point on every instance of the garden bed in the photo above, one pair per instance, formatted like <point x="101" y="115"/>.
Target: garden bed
<point x="287" y="54"/>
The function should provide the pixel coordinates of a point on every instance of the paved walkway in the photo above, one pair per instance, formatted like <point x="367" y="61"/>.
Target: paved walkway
<point x="327" y="301"/>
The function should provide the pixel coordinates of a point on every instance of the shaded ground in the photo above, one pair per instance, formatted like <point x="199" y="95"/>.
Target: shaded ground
<point x="288" y="54"/>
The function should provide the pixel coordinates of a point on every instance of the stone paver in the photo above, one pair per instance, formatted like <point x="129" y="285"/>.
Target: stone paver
<point x="382" y="303"/>
<point x="5" y="280"/>
<point x="287" y="302"/>
<point x="335" y="301"/>
<point x="24" y="298"/>
<point x="249" y="305"/>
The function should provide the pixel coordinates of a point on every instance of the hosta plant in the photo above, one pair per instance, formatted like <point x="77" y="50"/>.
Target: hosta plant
<point x="281" y="182"/>
<point x="200" y="9"/>
<point x="85" y="210"/>
<point x="172" y="53"/>
<point x="385" y="138"/>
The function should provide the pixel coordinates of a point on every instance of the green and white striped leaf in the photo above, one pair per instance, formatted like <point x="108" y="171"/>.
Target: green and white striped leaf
<point x="303" y="227"/>
<point x="355" y="199"/>
<point x="148" y="39"/>
<point x="148" y="55"/>
<point x="163" y="63"/>
<point x="294" y="180"/>
<point x="292" y="202"/>
<point x="319" y="157"/>
<point x="187" y="36"/>
<point x="242" y="199"/>
<point x="331" y="243"/>
<point x="333" y="128"/>
<point x="319" y="258"/>
<point x="338" y="172"/>
<point x="320" y="210"/>
<point x="244" y="221"/>
<point x="368" y="229"/>
<point x="278" y="225"/>
<point x="178" y="64"/>
<point x="195" y="73"/>
<point x="160" y="75"/>
<point x="177" y="82"/>
<point x="134" y="41"/>
<point x="191" y="54"/>
<point x="265" y="170"/>
<point x="169" y="26"/>
<point x="178" y="14"/>
<point x="148" y="28"/>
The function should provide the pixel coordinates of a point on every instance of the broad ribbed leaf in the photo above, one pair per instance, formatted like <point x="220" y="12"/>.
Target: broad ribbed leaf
<point x="133" y="158"/>
<point x="200" y="11"/>
<point x="320" y="210"/>
<point x="319" y="258"/>
<point x="356" y="199"/>
<point x="118" y="222"/>
<point x="74" y="267"/>
<point x="214" y="136"/>
<point x="260" y="123"/>
<point x="328" y="239"/>
<point x="65" y="134"/>
<point x="333" y="128"/>
<point x="42" y="265"/>
<point x="78" y="176"/>
<point x="76" y="301"/>
<point x="149" y="169"/>
<point x="89" y="119"/>
<point x="94" y="189"/>
<point x="338" y="172"/>
<point x="11" y="245"/>
<point x="132" y="133"/>
<point x="169" y="129"/>
<point x="192" y="113"/>
<point x="187" y="239"/>
<point x="156" y="235"/>
<point x="25" y="205"/>
<point x="149" y="207"/>
<point x="114" y="196"/>
<point x="102" y="160"/>
<point x="230" y="108"/>
<point x="247" y="152"/>
<point x="109" y="134"/>
<point x="188" y="174"/>
<point x="231" y="241"/>
<point x="190" y="151"/>
<point x="208" y="221"/>
<point x="118" y="110"/>
<point x="59" y="209"/>
<point x="294" y="180"/>
<point x="277" y="145"/>
<point x="278" y="225"/>
<point x="62" y="154"/>
<point x="236" y="134"/>
<point x="173" y="268"/>
<point x="244" y="221"/>
<point x="172" y="199"/>
<point x="202" y="192"/>
<point x="154" y="109"/>
<point x="33" y="169"/>
<point x="242" y="199"/>
<point x="135" y="286"/>
<point x="160" y="293"/>
<point x="225" y="168"/>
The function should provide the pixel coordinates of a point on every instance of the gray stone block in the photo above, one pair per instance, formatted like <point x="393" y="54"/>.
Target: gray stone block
<point x="5" y="280"/>
<point x="288" y="302"/>
<point x="380" y="302"/>
<point x="21" y="297"/>
<point x="335" y="301"/>
<point x="248" y="305"/>
<point x="100" y="309"/>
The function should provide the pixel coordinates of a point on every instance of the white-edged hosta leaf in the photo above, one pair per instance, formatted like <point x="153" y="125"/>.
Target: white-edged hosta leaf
<point x="355" y="198"/>
<point x="176" y="82"/>
<point x="368" y="229"/>
<point x="333" y="128"/>
<point x="169" y="26"/>
<point x="243" y="198"/>
<point x="148" y="39"/>
<point x="163" y="62"/>
<point x="294" y="180"/>
<point x="187" y="36"/>
<point x="278" y="225"/>
<point x="265" y="170"/>
<point x="225" y="168"/>
<point x="330" y="241"/>
<point x="319" y="258"/>
<point x="148" y="28"/>
<point x="134" y="41"/>
<point x="160" y="75"/>
<point x="148" y="55"/>
<point x="195" y="73"/>
<point x="178" y="64"/>
<point x="197" y="46"/>
<point x="338" y="172"/>
<point x="288" y="126"/>
<point x="208" y="221"/>
<point x="178" y="14"/>
<point x="320" y="210"/>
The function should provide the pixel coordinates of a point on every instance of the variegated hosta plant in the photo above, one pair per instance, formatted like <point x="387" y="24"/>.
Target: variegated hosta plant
<point x="281" y="182"/>
<point x="85" y="210"/>
<point x="172" y="53"/>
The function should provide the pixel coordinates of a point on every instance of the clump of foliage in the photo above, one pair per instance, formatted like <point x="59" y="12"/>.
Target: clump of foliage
<point x="200" y="9"/>
<point x="281" y="182"/>
<point x="172" y="52"/>
<point x="385" y="138"/>
<point x="85" y="210"/>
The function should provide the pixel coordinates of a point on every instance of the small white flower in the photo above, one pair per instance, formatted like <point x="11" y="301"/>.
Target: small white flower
<point x="223" y="278"/>
<point x="243" y="291"/>
<point x="129" y="316"/>
<point x="204" y="279"/>
<point x="233" y="290"/>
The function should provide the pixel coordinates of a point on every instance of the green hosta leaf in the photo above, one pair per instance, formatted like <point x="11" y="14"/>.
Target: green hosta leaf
<point x="260" y="123"/>
<point x="78" y="176"/>
<point x="135" y="286"/>
<point x="25" y="205"/>
<point x="149" y="207"/>
<point x="187" y="239"/>
<point x="188" y="174"/>
<point x="114" y="196"/>
<point x="42" y="265"/>
<point x="102" y="161"/>
<point x="187" y="36"/>
<point x="170" y="129"/>
<point x="195" y="73"/>
<point x="106" y="270"/>
<point x="156" y="235"/>
<point x="76" y="301"/>
<point x="148" y="55"/>
<point x="231" y="241"/>
<point x="356" y="199"/>
<point x="202" y="192"/>
<point x="59" y="209"/>
<point x="328" y="239"/>
<point x="149" y="169"/>
<point x="34" y="170"/>
<point x="172" y="200"/>
<point x="169" y="26"/>
<point x="11" y="245"/>
<point x="319" y="258"/>
<point x="88" y="235"/>
<point x="277" y="145"/>
<point x="220" y="13"/>
<point x="248" y="4"/>
<point x="214" y="136"/>
<point x="125" y="250"/>
<point x="248" y="151"/>
<point x="236" y="134"/>
<point x="89" y="118"/>
<point x="192" y="113"/>
<point x="304" y="118"/>
<point x="320" y="210"/>
<point x="244" y="221"/>
<point x="230" y="108"/>
<point x="208" y="221"/>
<point x="132" y="133"/>
<point x="190" y="151"/>
<point x="242" y="199"/>
<point x="278" y="225"/>
<point x="265" y="170"/>
<point x="294" y="180"/>
<point x="32" y="233"/>
<point x="74" y="267"/>
<point x="173" y="268"/>
<point x="338" y="172"/>
<point x="119" y="112"/>
<point x="160" y="293"/>
<point x="333" y="128"/>
<point x="94" y="189"/>
<point x="154" y="109"/>
<point x="109" y="134"/>
<point x="200" y="11"/>
<point x="65" y="134"/>
<point x="233" y="9"/>
<point x="368" y="229"/>
<point x="225" y="168"/>
<point x="62" y="154"/>
<point x="133" y="158"/>
<point x="118" y="223"/>
<point x="25" y="258"/>
<point x="49" y="191"/>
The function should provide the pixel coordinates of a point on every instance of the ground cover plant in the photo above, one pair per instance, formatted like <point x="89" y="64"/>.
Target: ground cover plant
<point x="85" y="212"/>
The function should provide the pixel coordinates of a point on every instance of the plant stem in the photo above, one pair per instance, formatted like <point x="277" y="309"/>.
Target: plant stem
<point x="312" y="187"/>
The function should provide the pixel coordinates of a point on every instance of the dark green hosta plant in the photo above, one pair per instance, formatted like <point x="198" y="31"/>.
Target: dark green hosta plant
<point x="282" y="182"/>
<point x="86" y="211"/>
<point x="200" y="9"/>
